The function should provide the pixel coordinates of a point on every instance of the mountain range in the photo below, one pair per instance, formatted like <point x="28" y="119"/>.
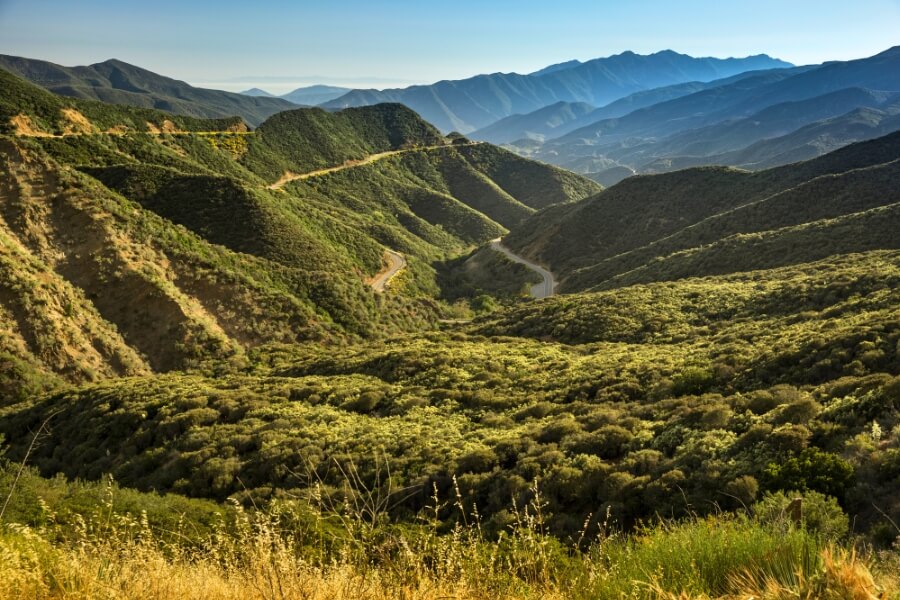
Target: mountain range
<point x="116" y="82"/>
<point x="206" y="221"/>
<point x="470" y="104"/>
<point x="757" y="120"/>
<point x="607" y="118"/>
<point x="551" y="122"/>
<point x="310" y="95"/>
<point x="717" y="220"/>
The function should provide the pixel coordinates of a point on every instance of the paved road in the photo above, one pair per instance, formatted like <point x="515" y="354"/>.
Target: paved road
<point x="396" y="263"/>
<point x="541" y="290"/>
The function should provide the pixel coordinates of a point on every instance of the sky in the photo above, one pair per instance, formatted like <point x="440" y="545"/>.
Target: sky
<point x="279" y="45"/>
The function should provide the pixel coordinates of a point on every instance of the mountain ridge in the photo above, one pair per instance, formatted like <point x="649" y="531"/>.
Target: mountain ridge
<point x="468" y="104"/>
<point x="115" y="81"/>
<point x="642" y="221"/>
<point x="734" y="116"/>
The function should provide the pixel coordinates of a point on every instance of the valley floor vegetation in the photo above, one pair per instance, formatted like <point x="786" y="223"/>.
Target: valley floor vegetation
<point x="579" y="455"/>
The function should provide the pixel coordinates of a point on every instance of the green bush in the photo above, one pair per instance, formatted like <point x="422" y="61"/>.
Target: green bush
<point x="819" y="513"/>
<point x="811" y="470"/>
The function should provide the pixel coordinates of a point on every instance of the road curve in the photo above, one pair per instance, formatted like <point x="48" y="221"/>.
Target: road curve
<point x="290" y="176"/>
<point x="545" y="288"/>
<point x="396" y="263"/>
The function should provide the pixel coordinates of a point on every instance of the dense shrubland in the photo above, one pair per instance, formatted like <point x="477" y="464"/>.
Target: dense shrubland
<point x="785" y="380"/>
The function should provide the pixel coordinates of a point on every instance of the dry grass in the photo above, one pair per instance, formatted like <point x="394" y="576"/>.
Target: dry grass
<point x="113" y="569"/>
<point x="348" y="552"/>
<point x="24" y="126"/>
<point x="843" y="575"/>
<point x="257" y="561"/>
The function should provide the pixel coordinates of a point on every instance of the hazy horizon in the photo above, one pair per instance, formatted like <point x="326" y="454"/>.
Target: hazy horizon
<point x="278" y="46"/>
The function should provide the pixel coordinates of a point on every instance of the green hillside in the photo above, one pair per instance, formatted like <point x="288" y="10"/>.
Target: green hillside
<point x="44" y="114"/>
<point x="115" y="203"/>
<point x="714" y="220"/>
<point x="308" y="139"/>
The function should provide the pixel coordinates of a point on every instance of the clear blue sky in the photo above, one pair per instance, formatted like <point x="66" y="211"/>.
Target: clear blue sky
<point x="278" y="44"/>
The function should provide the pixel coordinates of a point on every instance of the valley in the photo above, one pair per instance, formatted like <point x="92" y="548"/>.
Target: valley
<point x="405" y="345"/>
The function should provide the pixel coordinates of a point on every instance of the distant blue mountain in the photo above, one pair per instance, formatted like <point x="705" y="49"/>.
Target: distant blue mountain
<point x="470" y="104"/>
<point x="749" y="121"/>
<point x="257" y="93"/>
<point x="558" y="67"/>
<point x="315" y="94"/>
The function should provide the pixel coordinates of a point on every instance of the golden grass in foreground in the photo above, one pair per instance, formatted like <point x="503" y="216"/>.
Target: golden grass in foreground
<point x="257" y="560"/>
<point x="31" y="567"/>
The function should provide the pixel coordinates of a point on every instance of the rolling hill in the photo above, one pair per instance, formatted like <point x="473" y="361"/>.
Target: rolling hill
<point x="715" y="220"/>
<point x="304" y="96"/>
<point x="315" y="94"/>
<point x="103" y="203"/>
<point x="117" y="82"/>
<point x="257" y="92"/>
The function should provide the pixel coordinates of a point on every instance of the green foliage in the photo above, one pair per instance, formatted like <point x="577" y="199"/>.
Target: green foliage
<point x="534" y="188"/>
<point x="118" y="83"/>
<point x="626" y="423"/>
<point x="813" y="470"/>
<point x="701" y="557"/>
<point x="693" y="380"/>
<point x="39" y="502"/>
<point x="307" y="139"/>
<point x="124" y="256"/>
<point x="229" y="263"/>
<point x="819" y="514"/>
<point x="45" y="111"/>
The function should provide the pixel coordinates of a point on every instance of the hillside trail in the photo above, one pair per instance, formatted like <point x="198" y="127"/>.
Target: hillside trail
<point x="290" y="176"/>
<point x="79" y="126"/>
<point x="396" y="263"/>
<point x="544" y="289"/>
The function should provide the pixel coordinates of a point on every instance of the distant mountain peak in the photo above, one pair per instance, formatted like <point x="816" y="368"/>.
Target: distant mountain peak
<point x="468" y="105"/>
<point x="557" y="67"/>
<point x="118" y="82"/>
<point x="315" y="94"/>
<point x="114" y="62"/>
<point x="257" y="92"/>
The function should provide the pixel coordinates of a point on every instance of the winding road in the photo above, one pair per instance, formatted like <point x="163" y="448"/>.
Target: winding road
<point x="396" y="263"/>
<point x="543" y="289"/>
<point x="290" y="176"/>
